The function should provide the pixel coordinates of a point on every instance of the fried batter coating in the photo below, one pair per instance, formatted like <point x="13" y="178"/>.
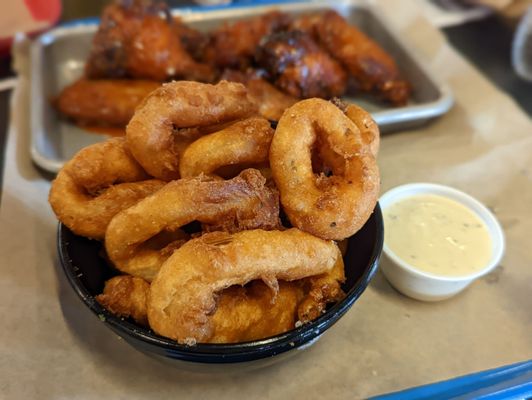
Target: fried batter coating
<point x="233" y="45"/>
<point x="97" y="183"/>
<point x="299" y="67"/>
<point x="322" y="290"/>
<point x="253" y="312"/>
<point x="270" y="101"/>
<point x="367" y="126"/>
<point x="330" y="207"/>
<point x="244" y="143"/>
<point x="126" y="296"/>
<point x="182" y="296"/>
<point x="245" y="199"/>
<point x="139" y="39"/>
<point x="372" y="69"/>
<point x="104" y="102"/>
<point x="155" y="126"/>
<point x="242" y="313"/>
<point x="369" y="130"/>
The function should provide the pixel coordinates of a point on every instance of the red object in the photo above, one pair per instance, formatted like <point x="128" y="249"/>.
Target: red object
<point x="40" y="11"/>
<point x="44" y="10"/>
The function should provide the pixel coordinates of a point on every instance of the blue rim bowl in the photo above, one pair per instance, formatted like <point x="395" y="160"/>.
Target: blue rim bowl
<point x="86" y="270"/>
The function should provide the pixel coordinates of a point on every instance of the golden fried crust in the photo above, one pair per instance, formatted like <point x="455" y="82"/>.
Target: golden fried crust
<point x="245" y="142"/>
<point x="126" y="296"/>
<point x="372" y="68"/>
<point x="97" y="183"/>
<point x="322" y="290"/>
<point x="367" y="126"/>
<point x="245" y="198"/>
<point x="182" y="295"/>
<point x="271" y="101"/>
<point x="298" y="66"/>
<point x="134" y="41"/>
<point x="103" y="102"/>
<point x="153" y="130"/>
<point x="242" y="313"/>
<point x="194" y="41"/>
<point x="233" y="45"/>
<point x="330" y="207"/>
<point x="254" y="312"/>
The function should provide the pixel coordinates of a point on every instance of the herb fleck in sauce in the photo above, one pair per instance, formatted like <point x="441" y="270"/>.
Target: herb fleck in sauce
<point x="437" y="235"/>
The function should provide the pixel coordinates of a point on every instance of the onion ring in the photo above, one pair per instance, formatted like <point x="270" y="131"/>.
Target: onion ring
<point x="97" y="183"/>
<point x="330" y="207"/>
<point x="152" y="132"/>
<point x="242" y="313"/>
<point x="369" y="130"/>
<point x="367" y="126"/>
<point x="182" y="295"/>
<point x="323" y="289"/>
<point x="126" y="296"/>
<point x="245" y="198"/>
<point x="244" y="142"/>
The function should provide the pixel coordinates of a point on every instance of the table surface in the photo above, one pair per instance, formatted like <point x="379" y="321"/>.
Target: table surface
<point x="53" y="347"/>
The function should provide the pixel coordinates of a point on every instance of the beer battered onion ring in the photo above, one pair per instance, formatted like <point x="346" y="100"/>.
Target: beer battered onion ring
<point x="245" y="142"/>
<point x="369" y="130"/>
<point x="330" y="207"/>
<point x="242" y="313"/>
<point x="151" y="133"/>
<point x="126" y="296"/>
<point x="245" y="199"/>
<point x="182" y="296"/>
<point x="97" y="183"/>
<point x="322" y="290"/>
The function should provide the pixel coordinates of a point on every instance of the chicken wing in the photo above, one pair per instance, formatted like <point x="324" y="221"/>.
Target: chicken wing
<point x="139" y="39"/>
<point x="270" y="100"/>
<point x="105" y="102"/>
<point x="372" y="69"/>
<point x="233" y="46"/>
<point x="296" y="64"/>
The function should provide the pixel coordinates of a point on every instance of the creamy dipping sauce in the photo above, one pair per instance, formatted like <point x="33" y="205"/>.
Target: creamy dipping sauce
<point x="437" y="235"/>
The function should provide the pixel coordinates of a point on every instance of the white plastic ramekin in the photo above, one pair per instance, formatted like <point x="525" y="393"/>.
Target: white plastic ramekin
<point x="426" y="286"/>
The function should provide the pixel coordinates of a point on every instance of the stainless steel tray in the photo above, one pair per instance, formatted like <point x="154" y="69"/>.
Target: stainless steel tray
<point x="58" y="57"/>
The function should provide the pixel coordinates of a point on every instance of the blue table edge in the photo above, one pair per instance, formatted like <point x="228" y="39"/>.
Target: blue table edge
<point x="508" y="382"/>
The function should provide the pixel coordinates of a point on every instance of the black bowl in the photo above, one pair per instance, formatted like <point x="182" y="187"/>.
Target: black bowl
<point x="87" y="271"/>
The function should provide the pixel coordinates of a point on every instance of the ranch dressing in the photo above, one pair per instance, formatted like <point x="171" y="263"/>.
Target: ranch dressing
<point x="437" y="235"/>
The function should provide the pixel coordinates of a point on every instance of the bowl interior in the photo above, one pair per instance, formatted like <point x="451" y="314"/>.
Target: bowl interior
<point x="86" y="269"/>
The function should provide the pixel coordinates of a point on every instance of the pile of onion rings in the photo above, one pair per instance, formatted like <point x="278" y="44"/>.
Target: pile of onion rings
<point x="189" y="208"/>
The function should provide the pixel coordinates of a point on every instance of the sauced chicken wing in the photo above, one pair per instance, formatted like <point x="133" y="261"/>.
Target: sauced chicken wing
<point x="233" y="46"/>
<point x="299" y="66"/>
<point x="371" y="68"/>
<point x="194" y="41"/>
<point x="103" y="102"/>
<point x="139" y="39"/>
<point x="271" y="101"/>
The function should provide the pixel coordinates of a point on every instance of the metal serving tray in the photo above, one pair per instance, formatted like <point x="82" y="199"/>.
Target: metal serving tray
<point x="58" y="57"/>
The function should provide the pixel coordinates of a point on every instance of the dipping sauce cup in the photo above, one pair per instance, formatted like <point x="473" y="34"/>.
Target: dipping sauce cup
<point x="437" y="240"/>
